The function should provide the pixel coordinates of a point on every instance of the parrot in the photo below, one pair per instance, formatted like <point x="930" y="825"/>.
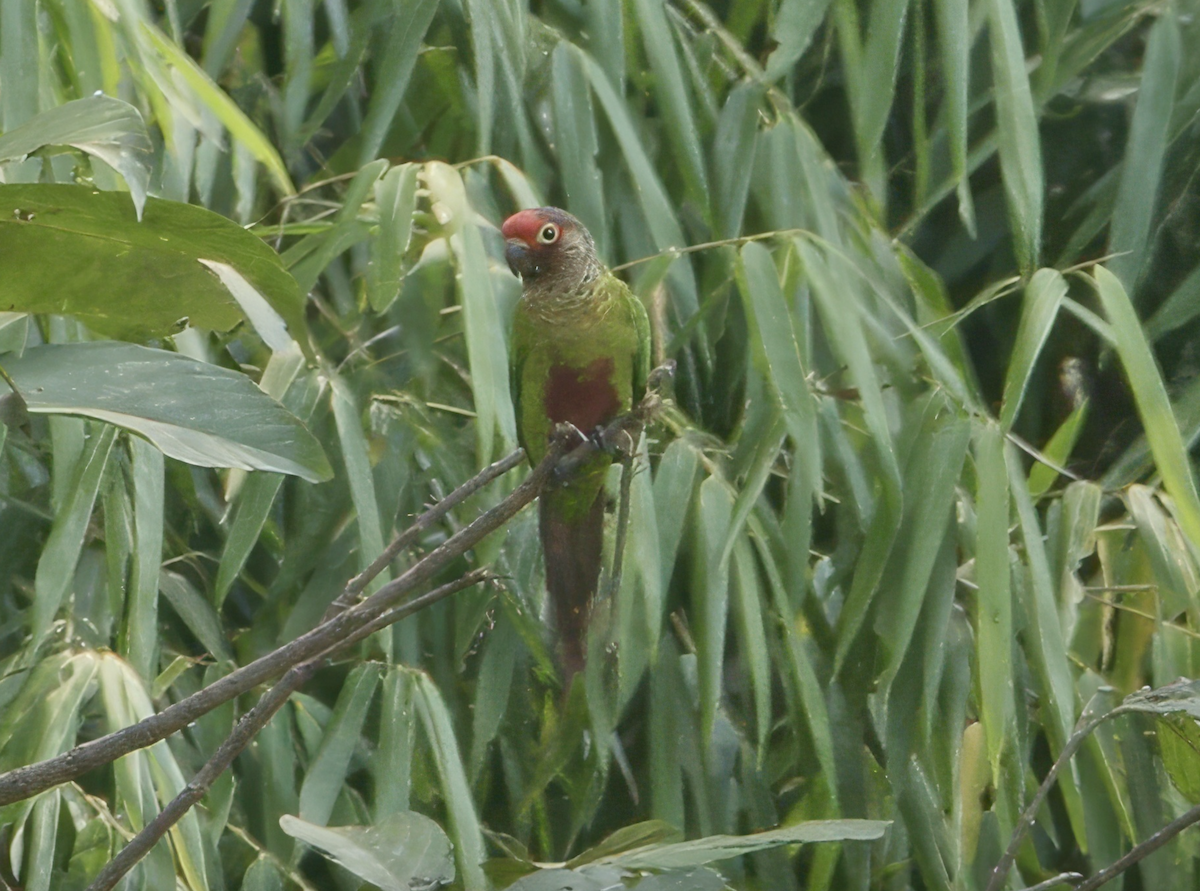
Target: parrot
<point x="580" y="355"/>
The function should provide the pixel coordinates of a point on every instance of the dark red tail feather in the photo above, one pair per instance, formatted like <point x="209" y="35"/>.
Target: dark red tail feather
<point x="573" y="556"/>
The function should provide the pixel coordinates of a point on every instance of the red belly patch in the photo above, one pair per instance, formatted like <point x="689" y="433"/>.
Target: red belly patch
<point x="584" y="397"/>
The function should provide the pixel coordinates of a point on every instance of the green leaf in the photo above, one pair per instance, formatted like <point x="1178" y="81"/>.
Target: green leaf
<point x="1180" y="307"/>
<point x="1044" y="644"/>
<point x="782" y="354"/>
<point x="40" y="843"/>
<point x="994" y="617"/>
<point x="934" y="468"/>
<point x="558" y="880"/>
<point x="464" y="823"/>
<point x="263" y="875"/>
<point x="222" y="106"/>
<point x="748" y="600"/>
<point x="1179" y="743"/>
<point x="692" y="880"/>
<point x="735" y="145"/>
<point x="353" y="441"/>
<point x="56" y="566"/>
<point x="844" y="322"/>
<point x="1145" y="153"/>
<point x="1043" y="296"/>
<point x="192" y="411"/>
<point x="873" y="85"/>
<point x="325" y="776"/>
<point x="577" y="146"/>
<point x="954" y="39"/>
<point x="402" y="852"/>
<point x="1017" y="129"/>
<point x="650" y="832"/>
<point x="396" y="201"/>
<point x="1058" y="450"/>
<point x="796" y="21"/>
<point x="142" y="608"/>
<point x="101" y="126"/>
<point x="395" y="68"/>
<point x="710" y="596"/>
<point x="86" y="255"/>
<point x="1150" y="396"/>
<point x="656" y="205"/>
<point x="682" y="855"/>
<point x="487" y="347"/>
<point x="674" y="103"/>
<point x="254" y="504"/>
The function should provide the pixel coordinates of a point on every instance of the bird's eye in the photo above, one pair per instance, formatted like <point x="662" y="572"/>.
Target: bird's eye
<point x="548" y="234"/>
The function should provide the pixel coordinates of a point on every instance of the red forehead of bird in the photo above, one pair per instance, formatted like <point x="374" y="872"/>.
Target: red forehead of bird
<point x="526" y="224"/>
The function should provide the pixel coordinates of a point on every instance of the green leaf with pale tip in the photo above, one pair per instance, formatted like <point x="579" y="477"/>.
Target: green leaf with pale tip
<point x="404" y="852"/>
<point x="84" y="254"/>
<point x="195" y="412"/>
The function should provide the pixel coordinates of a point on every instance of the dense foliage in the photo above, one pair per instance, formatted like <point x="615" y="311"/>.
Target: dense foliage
<point x="923" y="497"/>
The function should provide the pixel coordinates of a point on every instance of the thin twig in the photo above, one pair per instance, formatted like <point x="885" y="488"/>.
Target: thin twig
<point x="359" y="583"/>
<point x="1143" y="849"/>
<point x="247" y="728"/>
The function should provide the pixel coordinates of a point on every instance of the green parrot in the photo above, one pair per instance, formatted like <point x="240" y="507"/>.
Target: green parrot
<point x="580" y="354"/>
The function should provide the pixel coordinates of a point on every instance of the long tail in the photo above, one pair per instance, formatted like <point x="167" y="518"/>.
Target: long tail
<point x="573" y="555"/>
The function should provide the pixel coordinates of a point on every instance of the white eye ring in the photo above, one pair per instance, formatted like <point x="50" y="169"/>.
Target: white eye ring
<point x="548" y="234"/>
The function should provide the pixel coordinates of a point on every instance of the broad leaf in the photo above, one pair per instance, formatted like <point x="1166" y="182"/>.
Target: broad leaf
<point x="84" y="254"/>
<point x="195" y="412"/>
<point x="404" y="852"/>
<point x="101" y="126"/>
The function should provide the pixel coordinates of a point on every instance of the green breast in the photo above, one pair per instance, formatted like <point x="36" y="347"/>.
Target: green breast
<point x="575" y="367"/>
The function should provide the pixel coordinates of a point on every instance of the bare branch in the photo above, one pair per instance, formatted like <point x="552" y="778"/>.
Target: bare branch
<point x="24" y="782"/>
<point x="247" y="728"/>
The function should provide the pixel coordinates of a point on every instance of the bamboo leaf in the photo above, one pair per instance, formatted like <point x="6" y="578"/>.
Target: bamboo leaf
<point x="1043" y="296"/>
<point x="1142" y="170"/>
<point x="465" y="831"/>
<point x="324" y="778"/>
<point x="1150" y="396"/>
<point x="1017" y="132"/>
<point x="403" y="852"/>
<point x="994" y="620"/>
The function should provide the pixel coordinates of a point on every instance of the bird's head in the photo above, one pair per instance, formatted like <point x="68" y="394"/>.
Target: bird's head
<point x="550" y="250"/>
